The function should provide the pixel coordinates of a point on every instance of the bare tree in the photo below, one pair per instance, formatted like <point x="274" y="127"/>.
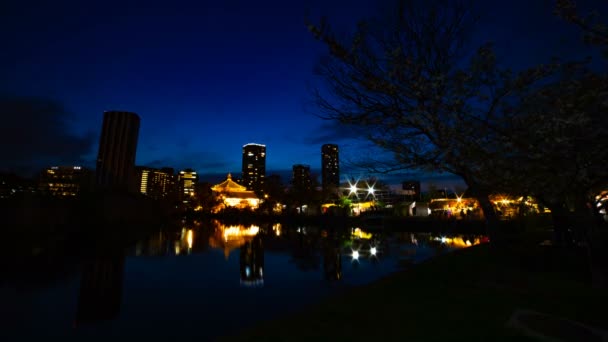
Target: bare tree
<point x="412" y="83"/>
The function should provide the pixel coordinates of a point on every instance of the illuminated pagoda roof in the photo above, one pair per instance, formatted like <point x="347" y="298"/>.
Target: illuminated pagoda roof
<point x="232" y="187"/>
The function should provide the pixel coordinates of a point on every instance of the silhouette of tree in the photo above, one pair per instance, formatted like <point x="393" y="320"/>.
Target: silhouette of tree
<point x="411" y="83"/>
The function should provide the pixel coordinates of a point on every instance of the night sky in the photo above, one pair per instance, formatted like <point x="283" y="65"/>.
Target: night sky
<point x="206" y="77"/>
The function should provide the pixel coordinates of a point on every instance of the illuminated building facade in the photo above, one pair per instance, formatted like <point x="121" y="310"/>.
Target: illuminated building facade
<point x="235" y="195"/>
<point x="254" y="166"/>
<point x="117" y="148"/>
<point x="155" y="183"/>
<point x="301" y="180"/>
<point x="330" y="166"/>
<point x="187" y="180"/>
<point x="64" y="181"/>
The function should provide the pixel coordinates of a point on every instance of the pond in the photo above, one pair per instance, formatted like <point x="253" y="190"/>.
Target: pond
<point x="205" y="280"/>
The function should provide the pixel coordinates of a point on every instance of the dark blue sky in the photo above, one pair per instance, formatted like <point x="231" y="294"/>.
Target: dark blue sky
<point x="207" y="77"/>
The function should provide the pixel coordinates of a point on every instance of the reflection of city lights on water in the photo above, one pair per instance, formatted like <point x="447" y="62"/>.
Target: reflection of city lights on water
<point x="361" y="234"/>
<point x="277" y="229"/>
<point x="189" y="238"/>
<point x="237" y="231"/>
<point x="459" y="241"/>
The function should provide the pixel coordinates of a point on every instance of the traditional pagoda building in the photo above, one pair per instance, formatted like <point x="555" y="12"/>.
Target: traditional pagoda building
<point x="235" y="195"/>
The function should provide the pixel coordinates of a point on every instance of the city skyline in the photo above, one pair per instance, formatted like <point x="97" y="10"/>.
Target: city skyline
<point x="210" y="79"/>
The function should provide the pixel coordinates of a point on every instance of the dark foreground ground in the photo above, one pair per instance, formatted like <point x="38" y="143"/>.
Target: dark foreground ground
<point x="472" y="294"/>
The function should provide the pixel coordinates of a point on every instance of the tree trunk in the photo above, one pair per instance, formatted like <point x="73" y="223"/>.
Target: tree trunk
<point x="489" y="214"/>
<point x="561" y="224"/>
<point x="593" y="239"/>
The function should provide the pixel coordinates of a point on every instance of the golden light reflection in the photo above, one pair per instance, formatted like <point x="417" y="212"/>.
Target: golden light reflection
<point x="235" y="232"/>
<point x="228" y="238"/>
<point x="458" y="241"/>
<point x="189" y="238"/>
<point x="276" y="228"/>
<point x="357" y="232"/>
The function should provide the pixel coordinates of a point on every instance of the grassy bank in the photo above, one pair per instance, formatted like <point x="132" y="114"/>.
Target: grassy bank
<point x="467" y="295"/>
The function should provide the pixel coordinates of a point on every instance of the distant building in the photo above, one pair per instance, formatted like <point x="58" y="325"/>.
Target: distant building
<point x="254" y="166"/>
<point x="117" y="148"/>
<point x="330" y="166"/>
<point x="301" y="180"/>
<point x="155" y="183"/>
<point x="411" y="189"/>
<point x="15" y="185"/>
<point x="235" y="195"/>
<point x="64" y="181"/>
<point x="187" y="180"/>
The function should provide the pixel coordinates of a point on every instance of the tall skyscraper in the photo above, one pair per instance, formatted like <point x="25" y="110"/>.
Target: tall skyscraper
<point x="330" y="166"/>
<point x="187" y="179"/>
<point x="117" y="148"/>
<point x="301" y="180"/>
<point x="254" y="166"/>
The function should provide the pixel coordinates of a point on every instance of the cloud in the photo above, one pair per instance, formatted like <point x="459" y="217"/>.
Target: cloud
<point x="34" y="133"/>
<point x="334" y="132"/>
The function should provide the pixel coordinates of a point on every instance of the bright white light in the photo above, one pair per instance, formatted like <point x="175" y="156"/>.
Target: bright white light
<point x="373" y="251"/>
<point x="443" y="239"/>
<point x="370" y="190"/>
<point x="355" y="255"/>
<point x="353" y="189"/>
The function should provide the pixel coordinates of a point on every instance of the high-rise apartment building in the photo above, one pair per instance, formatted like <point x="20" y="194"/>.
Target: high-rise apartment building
<point x="155" y="183"/>
<point x="254" y="166"/>
<point x="330" y="166"/>
<point x="117" y="148"/>
<point x="301" y="180"/>
<point x="187" y="180"/>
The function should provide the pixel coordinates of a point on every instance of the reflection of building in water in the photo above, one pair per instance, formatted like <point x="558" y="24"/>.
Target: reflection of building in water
<point x="185" y="242"/>
<point x="460" y="241"/>
<point x="332" y="261"/>
<point x="233" y="194"/>
<point x="100" y="289"/>
<point x="252" y="263"/>
<point x="228" y="238"/>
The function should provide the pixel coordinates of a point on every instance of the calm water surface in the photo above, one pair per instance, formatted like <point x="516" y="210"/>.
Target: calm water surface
<point x="203" y="281"/>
